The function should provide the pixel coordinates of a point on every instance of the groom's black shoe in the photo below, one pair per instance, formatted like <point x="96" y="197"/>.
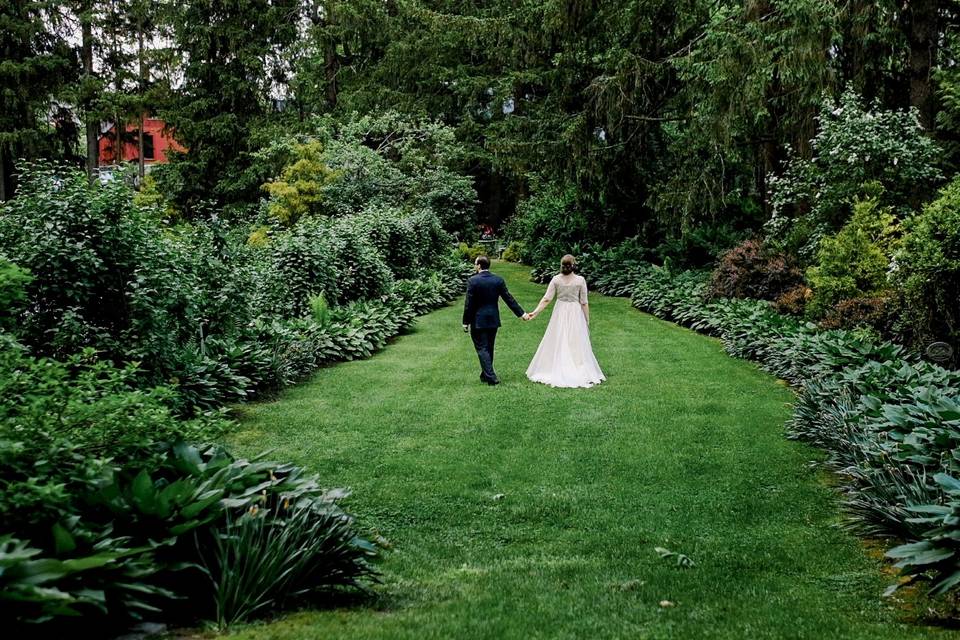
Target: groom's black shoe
<point x="489" y="381"/>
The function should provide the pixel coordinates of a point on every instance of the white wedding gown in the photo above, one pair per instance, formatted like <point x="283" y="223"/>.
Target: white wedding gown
<point x="565" y="357"/>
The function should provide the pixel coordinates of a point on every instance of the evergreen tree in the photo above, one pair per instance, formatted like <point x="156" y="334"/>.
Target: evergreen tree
<point x="35" y="65"/>
<point x="226" y="50"/>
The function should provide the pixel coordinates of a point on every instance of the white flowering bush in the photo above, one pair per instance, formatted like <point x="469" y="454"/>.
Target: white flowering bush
<point x="854" y="146"/>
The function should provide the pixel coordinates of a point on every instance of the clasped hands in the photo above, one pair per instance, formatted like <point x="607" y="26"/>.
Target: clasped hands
<point x="526" y="317"/>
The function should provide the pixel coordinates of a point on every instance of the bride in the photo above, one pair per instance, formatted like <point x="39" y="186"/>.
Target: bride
<point x="565" y="357"/>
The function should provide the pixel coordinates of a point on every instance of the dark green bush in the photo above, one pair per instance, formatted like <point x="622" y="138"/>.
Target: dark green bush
<point x="108" y="512"/>
<point x="296" y="265"/>
<point x="928" y="270"/>
<point x="362" y="272"/>
<point x="104" y="275"/>
<point x="429" y="157"/>
<point x="549" y="224"/>
<point x="144" y="538"/>
<point x="698" y="247"/>
<point x="61" y="424"/>
<point x="409" y="242"/>
<point x="13" y="281"/>
<point x="935" y="556"/>
<point x="377" y="162"/>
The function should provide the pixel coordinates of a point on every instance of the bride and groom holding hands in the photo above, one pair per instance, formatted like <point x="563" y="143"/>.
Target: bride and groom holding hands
<point x="565" y="357"/>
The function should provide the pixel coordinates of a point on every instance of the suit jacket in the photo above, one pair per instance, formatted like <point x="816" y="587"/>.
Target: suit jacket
<point x="481" y="309"/>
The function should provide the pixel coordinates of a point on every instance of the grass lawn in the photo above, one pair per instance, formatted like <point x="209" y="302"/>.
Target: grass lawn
<point x="522" y="511"/>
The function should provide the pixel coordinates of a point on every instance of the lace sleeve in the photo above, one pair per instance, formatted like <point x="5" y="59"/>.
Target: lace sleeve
<point x="551" y="289"/>
<point x="583" y="291"/>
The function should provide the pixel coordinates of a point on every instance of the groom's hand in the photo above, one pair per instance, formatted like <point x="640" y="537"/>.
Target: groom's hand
<point x="466" y="328"/>
<point x="526" y="316"/>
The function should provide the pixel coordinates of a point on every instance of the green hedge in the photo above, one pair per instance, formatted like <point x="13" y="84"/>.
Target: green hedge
<point x="197" y="307"/>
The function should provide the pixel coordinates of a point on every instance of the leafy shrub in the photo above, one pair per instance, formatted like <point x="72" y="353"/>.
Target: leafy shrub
<point x="934" y="557"/>
<point x="112" y="578"/>
<point x="470" y="253"/>
<point x="152" y="534"/>
<point x="513" y="252"/>
<point x="409" y="241"/>
<point x="854" y="262"/>
<point x="361" y="270"/>
<point x="876" y="312"/>
<point x="389" y="158"/>
<point x="793" y="301"/>
<point x="549" y="224"/>
<point x="927" y="268"/>
<point x="699" y="246"/>
<point x="751" y="270"/>
<point x="299" y="189"/>
<point x="181" y="300"/>
<point x="13" y="281"/>
<point x="106" y="508"/>
<point x="61" y="424"/>
<point x="261" y="561"/>
<point x="104" y="275"/>
<point x="296" y="265"/>
<point x="343" y="168"/>
<point x="853" y="147"/>
<point x="334" y="258"/>
<point x="150" y="198"/>
<point x="365" y="179"/>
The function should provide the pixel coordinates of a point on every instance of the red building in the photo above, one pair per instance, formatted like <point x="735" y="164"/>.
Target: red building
<point x="157" y="141"/>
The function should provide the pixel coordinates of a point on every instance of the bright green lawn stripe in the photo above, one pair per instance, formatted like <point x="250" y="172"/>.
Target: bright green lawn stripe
<point x="682" y="447"/>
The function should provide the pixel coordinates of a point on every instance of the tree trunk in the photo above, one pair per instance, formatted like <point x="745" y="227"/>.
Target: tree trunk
<point x="143" y="69"/>
<point x="331" y="61"/>
<point x="760" y="179"/>
<point x="117" y="140"/>
<point x="922" y="33"/>
<point x="92" y="124"/>
<point x="118" y="87"/>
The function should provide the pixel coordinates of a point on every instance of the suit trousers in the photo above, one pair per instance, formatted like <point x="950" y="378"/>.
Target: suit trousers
<point x="483" y="342"/>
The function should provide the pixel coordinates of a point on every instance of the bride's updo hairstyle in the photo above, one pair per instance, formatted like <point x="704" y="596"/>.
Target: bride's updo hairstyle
<point x="568" y="264"/>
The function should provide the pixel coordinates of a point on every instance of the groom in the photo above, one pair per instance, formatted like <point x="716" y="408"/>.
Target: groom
<point x="481" y="314"/>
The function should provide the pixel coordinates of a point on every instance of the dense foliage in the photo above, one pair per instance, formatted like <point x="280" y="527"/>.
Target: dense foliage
<point x="125" y="332"/>
<point x="927" y="268"/>
<point x="854" y="150"/>
<point x="658" y="117"/>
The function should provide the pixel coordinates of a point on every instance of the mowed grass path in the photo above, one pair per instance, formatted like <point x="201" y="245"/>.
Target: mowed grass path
<point x="522" y="511"/>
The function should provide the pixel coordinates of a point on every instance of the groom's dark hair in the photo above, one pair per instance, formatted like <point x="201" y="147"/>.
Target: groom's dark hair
<point x="483" y="262"/>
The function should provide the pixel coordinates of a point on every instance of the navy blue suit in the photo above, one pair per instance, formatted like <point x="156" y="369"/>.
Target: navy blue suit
<point x="481" y="310"/>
